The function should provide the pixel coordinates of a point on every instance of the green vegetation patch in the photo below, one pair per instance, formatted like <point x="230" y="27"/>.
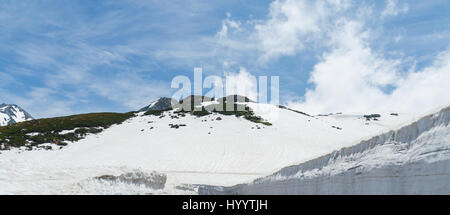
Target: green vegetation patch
<point x="156" y="112"/>
<point x="238" y="110"/>
<point x="48" y="130"/>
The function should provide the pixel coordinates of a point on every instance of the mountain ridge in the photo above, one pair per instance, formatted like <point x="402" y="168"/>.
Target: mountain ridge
<point x="165" y="103"/>
<point x="12" y="113"/>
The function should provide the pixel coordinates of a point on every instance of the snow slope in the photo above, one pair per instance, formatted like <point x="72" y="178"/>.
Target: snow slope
<point x="10" y="114"/>
<point x="414" y="159"/>
<point x="205" y="151"/>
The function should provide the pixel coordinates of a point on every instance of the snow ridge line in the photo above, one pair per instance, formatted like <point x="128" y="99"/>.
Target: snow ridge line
<point x="404" y="134"/>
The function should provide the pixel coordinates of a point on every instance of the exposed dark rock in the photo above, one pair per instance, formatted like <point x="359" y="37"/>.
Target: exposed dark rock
<point x="152" y="180"/>
<point x="161" y="104"/>
<point x="11" y="110"/>
<point x="176" y="126"/>
<point x="372" y="117"/>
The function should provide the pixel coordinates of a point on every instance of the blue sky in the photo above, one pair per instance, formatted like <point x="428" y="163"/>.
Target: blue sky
<point x="66" y="56"/>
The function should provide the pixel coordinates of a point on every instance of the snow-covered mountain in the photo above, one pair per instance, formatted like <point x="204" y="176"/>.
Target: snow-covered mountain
<point x="163" y="103"/>
<point x="10" y="114"/>
<point x="171" y="152"/>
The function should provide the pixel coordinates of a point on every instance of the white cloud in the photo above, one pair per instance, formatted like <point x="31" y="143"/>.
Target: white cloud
<point x="39" y="102"/>
<point x="351" y="78"/>
<point x="242" y="83"/>
<point x="70" y="78"/>
<point x="292" y="24"/>
<point x="228" y="24"/>
<point x="350" y="75"/>
<point x="79" y="61"/>
<point x="130" y="90"/>
<point x="426" y="89"/>
<point x="393" y="9"/>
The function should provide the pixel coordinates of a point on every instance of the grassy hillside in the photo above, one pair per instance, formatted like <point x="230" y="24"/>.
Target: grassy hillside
<point x="36" y="132"/>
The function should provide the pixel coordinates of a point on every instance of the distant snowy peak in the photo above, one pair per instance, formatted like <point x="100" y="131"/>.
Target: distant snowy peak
<point x="10" y="114"/>
<point x="163" y="103"/>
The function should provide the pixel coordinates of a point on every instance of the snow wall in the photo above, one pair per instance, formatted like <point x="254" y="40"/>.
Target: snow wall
<point x="414" y="159"/>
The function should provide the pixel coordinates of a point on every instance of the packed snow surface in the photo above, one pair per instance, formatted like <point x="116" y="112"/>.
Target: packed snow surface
<point x="414" y="159"/>
<point x="206" y="150"/>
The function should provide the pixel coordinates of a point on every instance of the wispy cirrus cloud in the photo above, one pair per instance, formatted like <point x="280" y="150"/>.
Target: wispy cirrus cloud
<point x="393" y="8"/>
<point x="117" y="56"/>
<point x="110" y="55"/>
